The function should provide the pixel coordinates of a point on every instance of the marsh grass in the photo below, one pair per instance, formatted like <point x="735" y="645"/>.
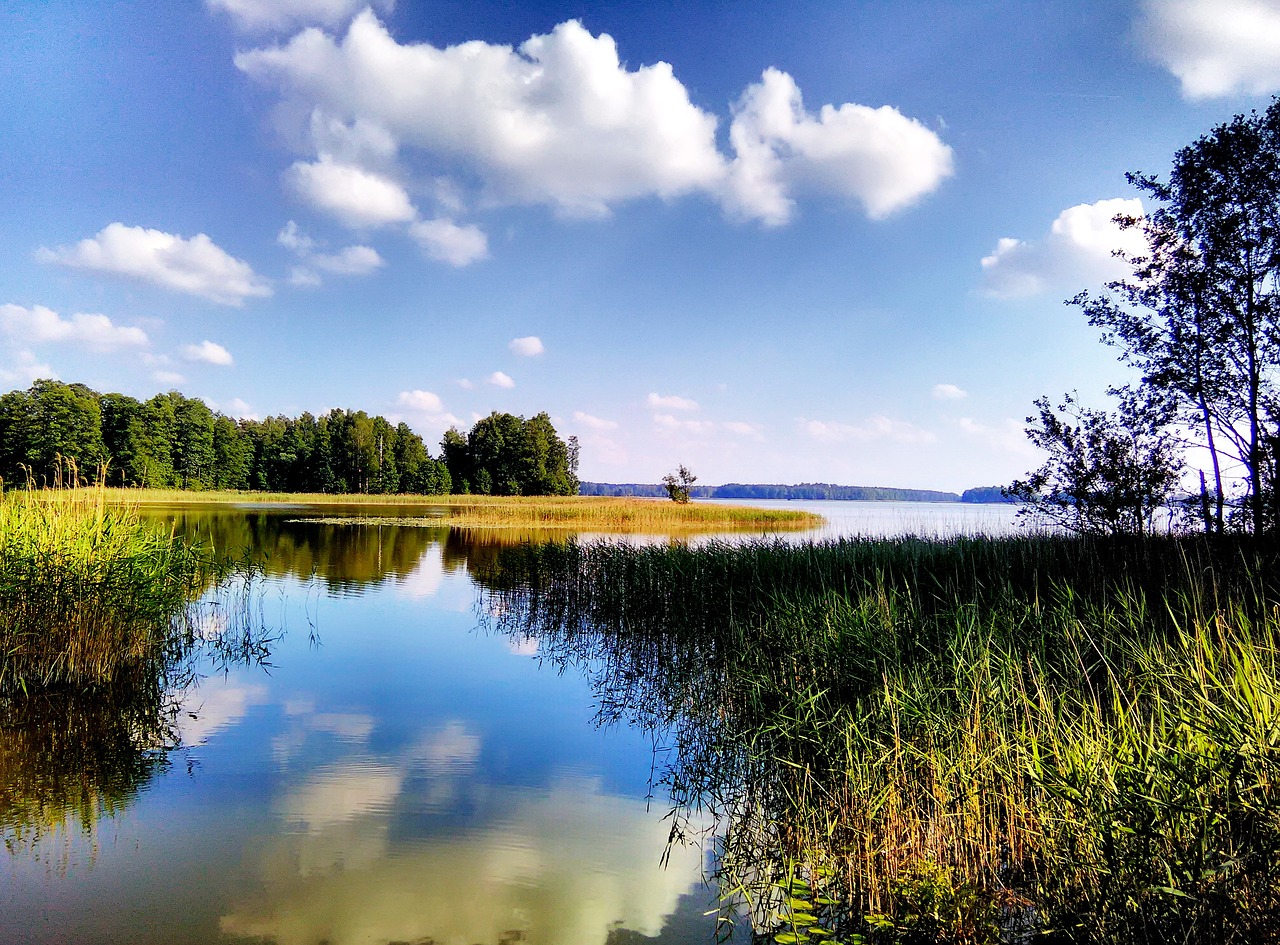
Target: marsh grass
<point x="969" y="740"/>
<point x="582" y="513"/>
<point x="88" y="591"/>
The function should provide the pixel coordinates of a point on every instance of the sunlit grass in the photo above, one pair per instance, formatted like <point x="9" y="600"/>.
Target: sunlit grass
<point x="580" y="513"/>
<point x="973" y="740"/>
<point x="87" y="590"/>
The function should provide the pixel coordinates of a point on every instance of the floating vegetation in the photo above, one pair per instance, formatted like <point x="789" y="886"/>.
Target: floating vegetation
<point x="969" y="740"/>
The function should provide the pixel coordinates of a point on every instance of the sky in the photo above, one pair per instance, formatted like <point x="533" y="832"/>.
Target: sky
<point x="811" y="241"/>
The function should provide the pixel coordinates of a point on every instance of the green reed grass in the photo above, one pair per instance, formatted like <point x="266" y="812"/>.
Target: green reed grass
<point x="970" y="740"/>
<point x="87" y="590"/>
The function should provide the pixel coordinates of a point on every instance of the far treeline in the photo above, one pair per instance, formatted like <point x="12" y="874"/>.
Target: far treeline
<point x="175" y="442"/>
<point x="803" y="490"/>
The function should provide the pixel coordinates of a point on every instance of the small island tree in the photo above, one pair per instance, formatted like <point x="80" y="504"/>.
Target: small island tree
<point x="679" y="484"/>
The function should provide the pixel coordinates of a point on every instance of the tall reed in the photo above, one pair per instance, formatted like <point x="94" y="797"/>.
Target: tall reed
<point x="87" y="590"/>
<point x="973" y="740"/>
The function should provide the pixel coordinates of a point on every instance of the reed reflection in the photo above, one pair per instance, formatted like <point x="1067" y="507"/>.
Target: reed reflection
<point x="72" y="757"/>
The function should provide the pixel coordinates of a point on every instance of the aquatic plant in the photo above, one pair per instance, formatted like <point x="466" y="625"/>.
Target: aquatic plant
<point x="971" y="740"/>
<point x="87" y="589"/>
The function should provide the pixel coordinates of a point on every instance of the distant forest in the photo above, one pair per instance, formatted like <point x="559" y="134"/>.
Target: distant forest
<point x="803" y="490"/>
<point x="178" y="442"/>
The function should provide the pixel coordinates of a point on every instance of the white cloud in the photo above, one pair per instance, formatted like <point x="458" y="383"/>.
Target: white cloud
<point x="465" y="383"/>
<point x="196" y="265"/>
<point x="241" y="409"/>
<point x="256" y="15"/>
<point x="421" y="401"/>
<point x="208" y="352"/>
<point x="948" y="392"/>
<point x="527" y="347"/>
<point x="873" y="428"/>
<point x="499" y="379"/>
<point x="672" y="402"/>
<point x="39" y="325"/>
<point x="172" y="378"/>
<point x="427" y="408"/>
<point x="349" y="261"/>
<point x="739" y="428"/>
<point x="445" y="241"/>
<point x="1077" y="252"/>
<point x="304" y="278"/>
<point x="356" y="197"/>
<point x="876" y="156"/>
<point x="561" y="121"/>
<point x="665" y="421"/>
<point x="1215" y="47"/>
<point x="26" y="371"/>
<point x="293" y="238"/>
<point x="558" y="121"/>
<point x="594" y="423"/>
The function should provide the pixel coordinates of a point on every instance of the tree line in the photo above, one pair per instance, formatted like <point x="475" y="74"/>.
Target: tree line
<point x="1198" y="319"/>
<point x="178" y="442"/>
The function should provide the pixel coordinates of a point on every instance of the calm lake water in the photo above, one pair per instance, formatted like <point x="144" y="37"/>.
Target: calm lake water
<point x="395" y="772"/>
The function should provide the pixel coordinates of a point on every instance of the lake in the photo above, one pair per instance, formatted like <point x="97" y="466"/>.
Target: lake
<point x="396" y="770"/>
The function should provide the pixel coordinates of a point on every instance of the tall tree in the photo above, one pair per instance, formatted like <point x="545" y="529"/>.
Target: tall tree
<point x="1200" y="315"/>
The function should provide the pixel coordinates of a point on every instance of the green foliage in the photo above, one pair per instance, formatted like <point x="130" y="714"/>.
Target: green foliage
<point x="506" y="455"/>
<point x="1199" y="315"/>
<point x="1042" y="738"/>
<point x="172" y="441"/>
<point x="1106" y="473"/>
<point x="679" y="483"/>
<point x="87" y="591"/>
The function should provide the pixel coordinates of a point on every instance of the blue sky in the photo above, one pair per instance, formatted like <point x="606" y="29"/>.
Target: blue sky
<point x="774" y="242"/>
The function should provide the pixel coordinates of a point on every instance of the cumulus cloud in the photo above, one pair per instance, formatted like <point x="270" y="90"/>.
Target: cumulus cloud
<point x="671" y="402"/>
<point x="665" y="421"/>
<point x="499" y="379"/>
<point x="254" y="15"/>
<point x="876" y="156"/>
<point x="355" y="196"/>
<point x="173" y="378"/>
<point x="558" y="121"/>
<point x="1215" y="47"/>
<point x="873" y="428"/>
<point x="527" y="346"/>
<point x="740" y="428"/>
<point x="26" y="370"/>
<point x="196" y="265"/>
<point x="594" y="423"/>
<point x="348" y="261"/>
<point x="241" y="409"/>
<point x="1077" y="251"/>
<point x="40" y="325"/>
<point x="208" y="352"/>
<point x="427" y="407"/>
<point x="949" y="392"/>
<point x="447" y="242"/>
<point x="561" y="121"/>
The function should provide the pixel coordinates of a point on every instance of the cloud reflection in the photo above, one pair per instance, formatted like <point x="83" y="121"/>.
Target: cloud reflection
<point x="560" y="865"/>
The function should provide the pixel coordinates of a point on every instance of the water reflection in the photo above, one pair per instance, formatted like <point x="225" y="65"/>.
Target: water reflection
<point x="562" y="865"/>
<point x="71" y="759"/>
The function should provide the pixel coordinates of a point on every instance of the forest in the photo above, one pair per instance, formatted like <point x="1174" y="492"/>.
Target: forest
<point x="174" y="441"/>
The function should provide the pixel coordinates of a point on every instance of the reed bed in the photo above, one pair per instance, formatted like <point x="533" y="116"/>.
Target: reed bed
<point x="598" y="513"/>
<point x="970" y="740"/>
<point x="88" y="591"/>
